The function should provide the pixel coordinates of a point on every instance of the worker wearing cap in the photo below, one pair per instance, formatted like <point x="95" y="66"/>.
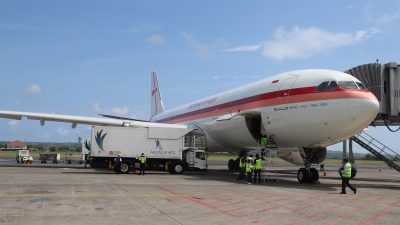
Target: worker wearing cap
<point x="117" y="164"/>
<point x="142" y="161"/>
<point x="257" y="168"/>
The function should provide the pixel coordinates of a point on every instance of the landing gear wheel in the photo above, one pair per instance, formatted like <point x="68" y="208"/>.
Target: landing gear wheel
<point x="302" y="175"/>
<point x="314" y="175"/>
<point x="231" y="165"/>
<point x="177" y="168"/>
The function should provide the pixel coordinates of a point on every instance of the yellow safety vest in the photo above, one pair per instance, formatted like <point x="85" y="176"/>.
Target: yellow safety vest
<point x="263" y="142"/>
<point x="241" y="163"/>
<point x="347" y="172"/>
<point x="142" y="159"/>
<point x="258" y="165"/>
<point x="248" y="167"/>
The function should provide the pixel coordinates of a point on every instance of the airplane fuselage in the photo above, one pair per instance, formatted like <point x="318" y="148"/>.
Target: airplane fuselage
<point x="296" y="109"/>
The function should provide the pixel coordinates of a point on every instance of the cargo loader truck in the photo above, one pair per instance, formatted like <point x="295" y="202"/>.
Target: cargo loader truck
<point x="170" y="149"/>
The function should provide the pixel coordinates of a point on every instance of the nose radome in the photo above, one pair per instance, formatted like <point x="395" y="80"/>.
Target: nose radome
<point x="366" y="109"/>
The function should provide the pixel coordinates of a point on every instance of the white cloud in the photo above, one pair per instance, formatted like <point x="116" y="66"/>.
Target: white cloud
<point x="63" y="132"/>
<point x="374" y="13"/>
<point x="244" y="48"/>
<point x="13" y="124"/>
<point x="120" y="110"/>
<point x="97" y="108"/>
<point x="32" y="90"/>
<point x="202" y="50"/>
<point x="156" y="40"/>
<point x="389" y="18"/>
<point x="306" y="42"/>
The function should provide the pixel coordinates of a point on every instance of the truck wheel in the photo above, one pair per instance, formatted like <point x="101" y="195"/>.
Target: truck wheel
<point x="125" y="167"/>
<point x="177" y="168"/>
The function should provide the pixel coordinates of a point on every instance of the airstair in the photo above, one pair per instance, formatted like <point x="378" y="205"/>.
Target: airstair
<point x="378" y="149"/>
<point x="271" y="143"/>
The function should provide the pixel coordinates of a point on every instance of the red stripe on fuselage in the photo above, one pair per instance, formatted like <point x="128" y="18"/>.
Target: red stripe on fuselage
<point x="288" y="96"/>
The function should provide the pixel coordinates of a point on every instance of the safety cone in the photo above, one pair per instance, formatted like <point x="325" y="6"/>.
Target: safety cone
<point x="324" y="173"/>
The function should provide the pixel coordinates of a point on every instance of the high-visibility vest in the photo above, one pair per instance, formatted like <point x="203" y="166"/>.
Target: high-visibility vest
<point x="263" y="142"/>
<point x="347" y="171"/>
<point x="248" y="167"/>
<point x="142" y="159"/>
<point x="241" y="163"/>
<point x="257" y="164"/>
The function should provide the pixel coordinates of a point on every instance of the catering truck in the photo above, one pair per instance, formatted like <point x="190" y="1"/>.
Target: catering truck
<point x="165" y="148"/>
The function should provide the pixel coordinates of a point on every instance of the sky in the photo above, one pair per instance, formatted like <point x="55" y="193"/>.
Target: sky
<point x="95" y="56"/>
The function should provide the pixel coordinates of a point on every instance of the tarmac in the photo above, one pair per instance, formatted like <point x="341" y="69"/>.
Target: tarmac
<point x="70" y="194"/>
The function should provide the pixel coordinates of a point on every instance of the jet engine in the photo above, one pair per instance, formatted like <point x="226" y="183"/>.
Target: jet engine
<point x="236" y="131"/>
<point x="303" y="156"/>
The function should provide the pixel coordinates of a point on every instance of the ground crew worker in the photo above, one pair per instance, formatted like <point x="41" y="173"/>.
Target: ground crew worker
<point x="142" y="161"/>
<point x="117" y="164"/>
<point x="242" y="168"/>
<point x="263" y="145"/>
<point x="87" y="160"/>
<point x="249" y="170"/>
<point x="257" y="169"/>
<point x="346" y="176"/>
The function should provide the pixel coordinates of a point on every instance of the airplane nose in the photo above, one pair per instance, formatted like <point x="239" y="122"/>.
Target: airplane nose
<point x="364" y="110"/>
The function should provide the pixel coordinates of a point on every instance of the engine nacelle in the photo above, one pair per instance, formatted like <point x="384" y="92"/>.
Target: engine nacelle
<point x="237" y="132"/>
<point x="303" y="155"/>
<point x="315" y="155"/>
<point x="293" y="157"/>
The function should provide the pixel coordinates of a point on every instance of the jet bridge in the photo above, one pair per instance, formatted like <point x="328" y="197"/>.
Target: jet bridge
<point x="384" y="81"/>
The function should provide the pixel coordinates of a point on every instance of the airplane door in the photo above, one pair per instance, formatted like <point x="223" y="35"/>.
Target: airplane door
<point x="282" y="95"/>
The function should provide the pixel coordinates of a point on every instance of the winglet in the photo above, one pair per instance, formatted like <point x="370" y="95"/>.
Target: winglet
<point x="156" y="102"/>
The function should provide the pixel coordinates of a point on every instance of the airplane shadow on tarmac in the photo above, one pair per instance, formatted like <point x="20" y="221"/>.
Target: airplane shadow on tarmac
<point x="286" y="179"/>
<point x="289" y="180"/>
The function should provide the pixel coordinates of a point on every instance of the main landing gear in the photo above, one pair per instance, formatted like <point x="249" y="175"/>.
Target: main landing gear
<point x="307" y="175"/>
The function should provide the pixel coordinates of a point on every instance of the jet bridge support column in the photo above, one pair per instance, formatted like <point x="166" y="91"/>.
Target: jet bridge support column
<point x="344" y="155"/>
<point x="351" y="156"/>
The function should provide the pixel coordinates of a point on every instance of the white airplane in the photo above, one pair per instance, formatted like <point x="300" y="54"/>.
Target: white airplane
<point x="301" y="111"/>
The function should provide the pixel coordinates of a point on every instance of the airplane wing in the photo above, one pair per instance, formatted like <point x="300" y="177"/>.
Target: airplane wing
<point x="121" y="118"/>
<point x="74" y="120"/>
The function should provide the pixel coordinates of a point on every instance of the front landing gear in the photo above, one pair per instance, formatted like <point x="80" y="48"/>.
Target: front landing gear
<point x="307" y="175"/>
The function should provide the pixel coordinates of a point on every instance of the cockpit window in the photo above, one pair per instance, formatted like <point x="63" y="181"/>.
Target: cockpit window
<point x="361" y="86"/>
<point x="347" y="84"/>
<point x="327" y="86"/>
<point x="322" y="86"/>
<point x="332" y="85"/>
